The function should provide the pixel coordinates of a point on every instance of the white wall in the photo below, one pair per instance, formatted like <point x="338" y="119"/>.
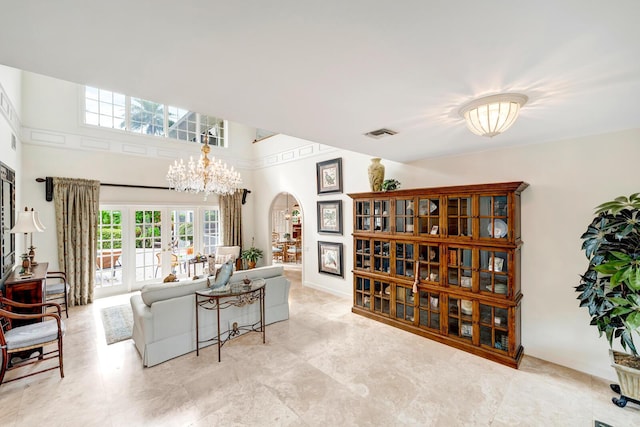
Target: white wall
<point x="57" y="143"/>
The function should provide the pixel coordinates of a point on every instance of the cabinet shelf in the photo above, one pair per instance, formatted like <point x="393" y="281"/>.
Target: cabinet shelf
<point x="463" y="246"/>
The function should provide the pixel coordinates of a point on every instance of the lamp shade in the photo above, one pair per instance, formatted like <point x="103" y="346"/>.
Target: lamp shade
<point x="492" y="115"/>
<point x="26" y="223"/>
<point x="38" y="222"/>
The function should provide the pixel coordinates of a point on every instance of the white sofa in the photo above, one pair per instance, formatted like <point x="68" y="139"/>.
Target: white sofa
<point x="164" y="320"/>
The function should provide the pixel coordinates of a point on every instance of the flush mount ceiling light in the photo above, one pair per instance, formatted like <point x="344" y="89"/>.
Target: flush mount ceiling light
<point x="492" y="115"/>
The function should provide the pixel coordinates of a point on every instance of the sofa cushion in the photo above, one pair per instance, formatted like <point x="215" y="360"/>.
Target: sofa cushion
<point x="162" y="291"/>
<point x="260" y="272"/>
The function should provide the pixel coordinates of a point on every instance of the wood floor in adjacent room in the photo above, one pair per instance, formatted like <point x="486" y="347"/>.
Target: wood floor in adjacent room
<point x="323" y="367"/>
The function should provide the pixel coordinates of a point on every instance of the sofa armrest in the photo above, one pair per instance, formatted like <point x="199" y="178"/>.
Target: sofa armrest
<point x="142" y="318"/>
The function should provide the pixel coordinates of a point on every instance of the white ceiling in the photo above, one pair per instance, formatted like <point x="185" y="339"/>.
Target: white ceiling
<point x="330" y="71"/>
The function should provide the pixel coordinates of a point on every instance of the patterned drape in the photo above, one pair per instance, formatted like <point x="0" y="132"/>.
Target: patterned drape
<point x="231" y="212"/>
<point x="77" y="202"/>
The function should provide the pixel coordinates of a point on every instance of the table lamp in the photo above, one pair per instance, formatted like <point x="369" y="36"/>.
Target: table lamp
<point x="41" y="228"/>
<point x="26" y="224"/>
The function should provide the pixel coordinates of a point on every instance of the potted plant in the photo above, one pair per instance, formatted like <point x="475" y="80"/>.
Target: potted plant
<point x="610" y="288"/>
<point x="251" y="255"/>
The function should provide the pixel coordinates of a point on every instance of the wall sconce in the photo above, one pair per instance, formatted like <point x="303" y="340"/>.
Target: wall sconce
<point x="492" y="115"/>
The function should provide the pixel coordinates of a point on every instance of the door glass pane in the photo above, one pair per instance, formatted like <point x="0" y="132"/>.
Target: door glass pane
<point x="109" y="255"/>
<point x="211" y="231"/>
<point x="148" y="242"/>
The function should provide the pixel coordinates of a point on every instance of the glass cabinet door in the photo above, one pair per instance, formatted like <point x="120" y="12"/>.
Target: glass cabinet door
<point x="459" y="267"/>
<point x="381" y="256"/>
<point x="429" y="216"/>
<point x="381" y="215"/>
<point x="362" y="295"/>
<point x="363" y="254"/>
<point x="494" y="220"/>
<point x="429" y="310"/>
<point x="404" y="215"/>
<point x="429" y="261"/>
<point x="459" y="215"/>
<point x="494" y="329"/>
<point x="363" y="215"/>
<point x="405" y="259"/>
<point x="404" y="303"/>
<point x="460" y="314"/>
<point x="494" y="272"/>
<point x="381" y="297"/>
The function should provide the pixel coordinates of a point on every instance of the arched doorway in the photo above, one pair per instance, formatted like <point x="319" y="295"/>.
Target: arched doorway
<point x="286" y="230"/>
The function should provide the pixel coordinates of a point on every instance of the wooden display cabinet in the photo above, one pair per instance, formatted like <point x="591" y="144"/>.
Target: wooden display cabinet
<point x="463" y="244"/>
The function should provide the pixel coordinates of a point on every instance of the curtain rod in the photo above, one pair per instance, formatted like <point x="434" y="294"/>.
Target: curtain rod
<point x="49" y="185"/>
<point x="118" y="185"/>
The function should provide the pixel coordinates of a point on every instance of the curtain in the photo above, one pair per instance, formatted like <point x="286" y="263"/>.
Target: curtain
<point x="231" y="212"/>
<point x="76" y="203"/>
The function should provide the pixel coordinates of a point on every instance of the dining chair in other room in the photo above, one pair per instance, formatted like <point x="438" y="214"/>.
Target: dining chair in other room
<point x="29" y="338"/>
<point x="294" y="252"/>
<point x="57" y="291"/>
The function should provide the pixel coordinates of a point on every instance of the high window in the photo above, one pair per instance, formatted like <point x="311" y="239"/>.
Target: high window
<point x="117" y="111"/>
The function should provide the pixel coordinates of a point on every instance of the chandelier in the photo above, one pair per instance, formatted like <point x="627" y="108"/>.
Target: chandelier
<point x="204" y="176"/>
<point x="492" y="115"/>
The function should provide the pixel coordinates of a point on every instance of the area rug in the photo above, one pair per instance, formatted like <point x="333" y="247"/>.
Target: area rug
<point x="117" y="322"/>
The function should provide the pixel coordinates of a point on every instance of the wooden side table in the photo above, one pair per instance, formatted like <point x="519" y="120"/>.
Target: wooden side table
<point x="28" y="290"/>
<point x="237" y="295"/>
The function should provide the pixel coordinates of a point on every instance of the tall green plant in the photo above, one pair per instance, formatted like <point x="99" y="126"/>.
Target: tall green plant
<point x="610" y="288"/>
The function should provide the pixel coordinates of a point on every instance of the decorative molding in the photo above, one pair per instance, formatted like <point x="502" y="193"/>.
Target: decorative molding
<point x="9" y="112"/>
<point x="52" y="138"/>
<point x="48" y="137"/>
<point x="95" y="144"/>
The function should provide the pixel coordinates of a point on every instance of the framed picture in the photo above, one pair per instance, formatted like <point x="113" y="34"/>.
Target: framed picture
<point x="330" y="258"/>
<point x="330" y="216"/>
<point x="329" y="176"/>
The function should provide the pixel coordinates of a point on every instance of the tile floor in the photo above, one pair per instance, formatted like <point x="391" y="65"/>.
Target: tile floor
<point x="323" y="367"/>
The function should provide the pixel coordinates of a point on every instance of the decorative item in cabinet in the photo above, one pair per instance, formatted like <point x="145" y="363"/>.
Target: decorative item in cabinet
<point x="404" y="215"/>
<point x="362" y="295"/>
<point x="363" y="254"/>
<point x="405" y="303"/>
<point x="460" y="318"/>
<point x="459" y="216"/>
<point x="494" y="271"/>
<point x="494" y="219"/>
<point x="466" y="266"/>
<point x="429" y="262"/>
<point x="382" y="297"/>
<point x="362" y="215"/>
<point x="381" y="221"/>
<point x="381" y="256"/>
<point x="460" y="267"/>
<point x="494" y="327"/>
<point x="429" y="310"/>
<point x="405" y="260"/>
<point x="429" y="215"/>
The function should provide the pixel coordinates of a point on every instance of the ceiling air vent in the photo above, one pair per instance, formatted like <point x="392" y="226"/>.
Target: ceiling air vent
<point x="380" y="133"/>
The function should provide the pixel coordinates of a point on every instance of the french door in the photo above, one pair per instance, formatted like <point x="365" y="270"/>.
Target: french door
<point x="140" y="244"/>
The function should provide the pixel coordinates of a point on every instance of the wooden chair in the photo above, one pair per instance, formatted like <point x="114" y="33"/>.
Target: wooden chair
<point x="294" y="252"/>
<point x="277" y="248"/>
<point x="57" y="291"/>
<point x="174" y="262"/>
<point x="29" y="337"/>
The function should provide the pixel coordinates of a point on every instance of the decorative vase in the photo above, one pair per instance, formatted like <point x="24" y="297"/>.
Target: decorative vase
<point x="376" y="174"/>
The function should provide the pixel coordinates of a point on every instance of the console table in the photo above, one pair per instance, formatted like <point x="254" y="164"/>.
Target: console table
<point x="28" y="290"/>
<point x="234" y="295"/>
